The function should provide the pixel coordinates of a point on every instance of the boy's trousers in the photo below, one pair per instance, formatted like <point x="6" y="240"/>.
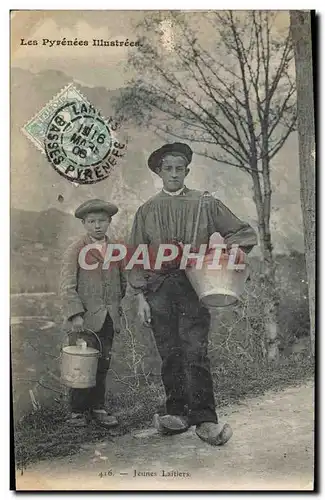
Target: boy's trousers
<point x="181" y="328"/>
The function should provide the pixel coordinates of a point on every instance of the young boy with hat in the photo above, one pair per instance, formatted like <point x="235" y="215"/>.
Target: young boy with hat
<point x="91" y="300"/>
<point x="167" y="301"/>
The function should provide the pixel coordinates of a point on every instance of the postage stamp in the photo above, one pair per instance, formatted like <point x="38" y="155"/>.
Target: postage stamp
<point x="78" y="141"/>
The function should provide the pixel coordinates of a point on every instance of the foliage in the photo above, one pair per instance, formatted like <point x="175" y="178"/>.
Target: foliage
<point x="135" y="391"/>
<point x="43" y="434"/>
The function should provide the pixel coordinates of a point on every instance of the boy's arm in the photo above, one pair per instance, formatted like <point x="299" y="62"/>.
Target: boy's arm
<point x="137" y="276"/>
<point x="231" y="228"/>
<point x="71" y="303"/>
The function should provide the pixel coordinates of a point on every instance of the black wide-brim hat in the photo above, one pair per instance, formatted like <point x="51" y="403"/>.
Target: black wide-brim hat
<point x="95" y="206"/>
<point x="175" y="147"/>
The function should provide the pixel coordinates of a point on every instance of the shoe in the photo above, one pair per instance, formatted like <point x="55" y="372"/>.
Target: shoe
<point x="77" y="419"/>
<point x="214" y="434"/>
<point x="103" y="418"/>
<point x="170" y="424"/>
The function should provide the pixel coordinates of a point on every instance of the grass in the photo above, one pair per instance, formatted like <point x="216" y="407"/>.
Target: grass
<point x="43" y="434"/>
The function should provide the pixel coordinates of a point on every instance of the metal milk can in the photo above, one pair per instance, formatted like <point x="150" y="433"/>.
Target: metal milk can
<point x="79" y="364"/>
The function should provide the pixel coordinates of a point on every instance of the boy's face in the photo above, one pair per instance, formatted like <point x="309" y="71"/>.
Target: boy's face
<point x="173" y="171"/>
<point x="96" y="224"/>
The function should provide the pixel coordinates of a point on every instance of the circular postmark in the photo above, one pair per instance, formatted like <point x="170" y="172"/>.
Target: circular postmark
<point x="79" y="143"/>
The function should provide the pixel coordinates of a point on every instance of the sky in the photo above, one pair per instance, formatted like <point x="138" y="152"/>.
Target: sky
<point x="105" y="66"/>
<point x="95" y="67"/>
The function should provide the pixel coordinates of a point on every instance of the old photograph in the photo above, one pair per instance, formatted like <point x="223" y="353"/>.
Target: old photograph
<point x="162" y="250"/>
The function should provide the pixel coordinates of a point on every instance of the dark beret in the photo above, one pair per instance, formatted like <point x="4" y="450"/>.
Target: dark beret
<point x="176" y="147"/>
<point x="95" y="206"/>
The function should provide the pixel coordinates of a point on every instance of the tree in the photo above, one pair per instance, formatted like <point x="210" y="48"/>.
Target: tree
<point x="301" y="35"/>
<point x="232" y="96"/>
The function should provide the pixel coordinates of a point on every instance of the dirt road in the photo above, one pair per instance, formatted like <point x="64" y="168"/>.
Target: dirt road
<point x="271" y="449"/>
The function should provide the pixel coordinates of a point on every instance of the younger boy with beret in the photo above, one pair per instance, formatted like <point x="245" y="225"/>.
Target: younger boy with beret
<point x="91" y="300"/>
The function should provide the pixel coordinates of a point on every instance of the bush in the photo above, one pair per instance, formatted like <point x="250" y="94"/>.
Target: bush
<point x="43" y="434"/>
<point x="135" y="392"/>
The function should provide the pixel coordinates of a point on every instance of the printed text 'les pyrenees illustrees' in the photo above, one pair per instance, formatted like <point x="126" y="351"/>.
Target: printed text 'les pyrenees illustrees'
<point x="64" y="42"/>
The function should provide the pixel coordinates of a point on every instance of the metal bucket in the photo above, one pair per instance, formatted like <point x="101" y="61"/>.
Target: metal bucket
<point x="218" y="287"/>
<point x="215" y="287"/>
<point x="79" y="364"/>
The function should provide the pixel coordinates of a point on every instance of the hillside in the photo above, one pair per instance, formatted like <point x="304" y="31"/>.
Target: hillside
<point x="36" y="186"/>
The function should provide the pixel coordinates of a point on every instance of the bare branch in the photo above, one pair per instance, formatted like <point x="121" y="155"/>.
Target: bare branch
<point x="287" y="56"/>
<point x="245" y="89"/>
<point x="222" y="160"/>
<point x="280" y="112"/>
<point x="221" y="139"/>
<point x="273" y="151"/>
<point x="232" y="108"/>
<point x="207" y="90"/>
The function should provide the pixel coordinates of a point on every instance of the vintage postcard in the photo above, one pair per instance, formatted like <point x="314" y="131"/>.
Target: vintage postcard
<point x="162" y="250"/>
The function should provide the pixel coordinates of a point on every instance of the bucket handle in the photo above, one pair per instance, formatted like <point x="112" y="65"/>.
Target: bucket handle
<point x="198" y="215"/>
<point x="95" y="334"/>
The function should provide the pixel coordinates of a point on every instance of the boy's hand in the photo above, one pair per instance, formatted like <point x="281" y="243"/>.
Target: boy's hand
<point x="240" y="257"/>
<point x="117" y="325"/>
<point x="144" y="311"/>
<point x="77" y="323"/>
<point x="117" y="320"/>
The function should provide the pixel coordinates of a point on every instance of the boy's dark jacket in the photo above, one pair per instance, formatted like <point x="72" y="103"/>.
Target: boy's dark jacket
<point x="91" y="293"/>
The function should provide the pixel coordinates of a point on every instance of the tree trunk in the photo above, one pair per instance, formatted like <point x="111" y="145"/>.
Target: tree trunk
<point x="270" y="308"/>
<point x="271" y="302"/>
<point x="301" y="35"/>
